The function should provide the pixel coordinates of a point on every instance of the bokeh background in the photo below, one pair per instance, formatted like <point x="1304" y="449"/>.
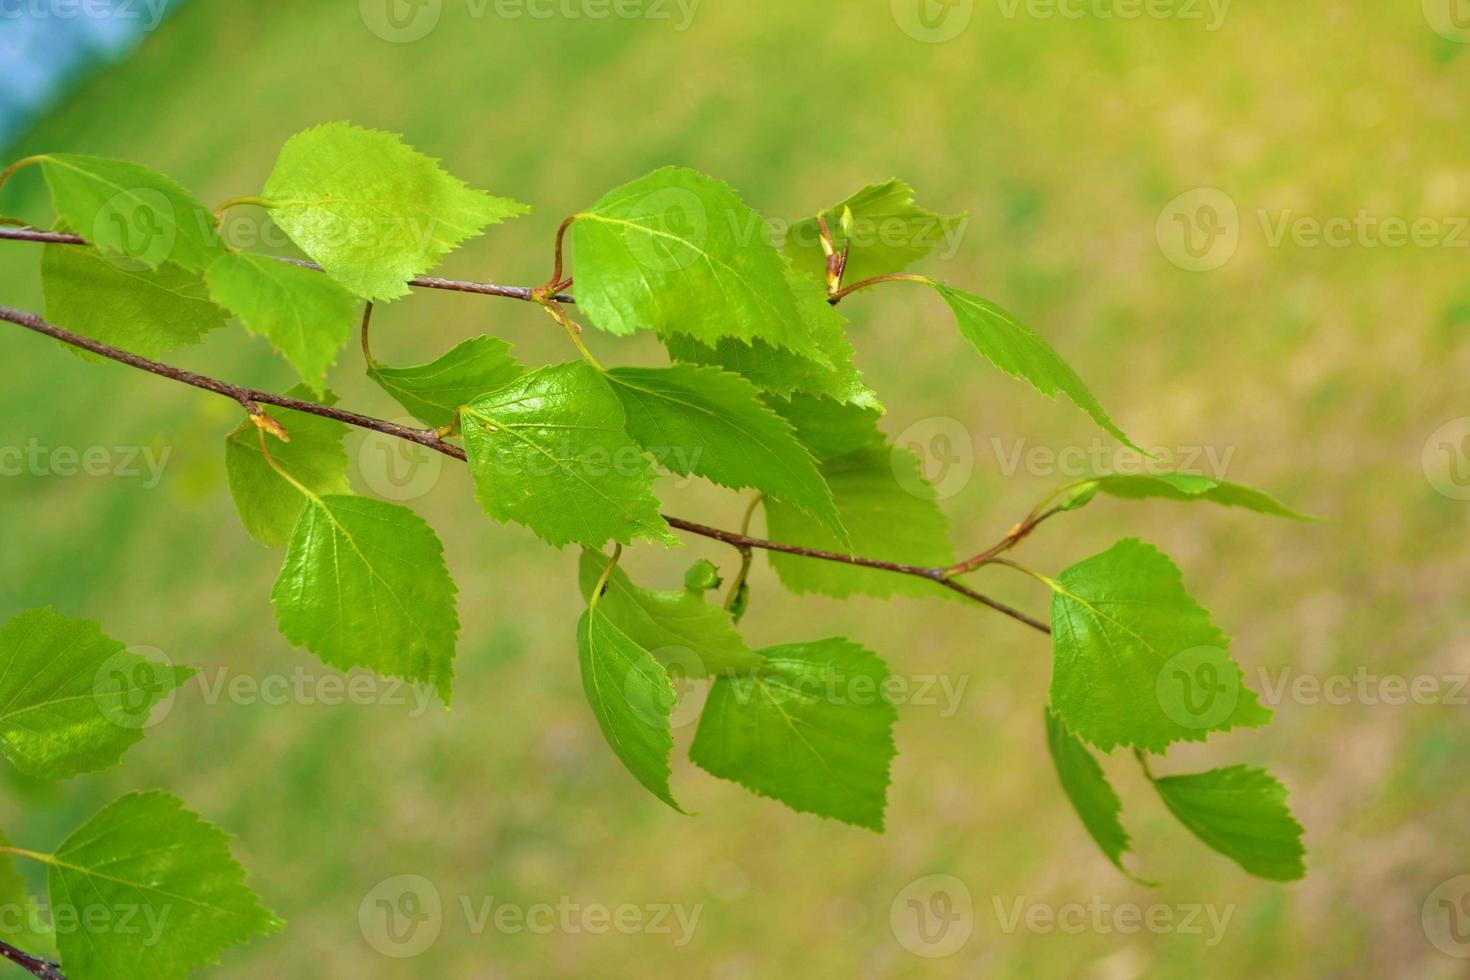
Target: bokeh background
<point x="1325" y="373"/>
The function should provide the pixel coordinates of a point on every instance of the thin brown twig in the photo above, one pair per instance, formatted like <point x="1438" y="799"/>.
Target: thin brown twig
<point x="34" y="965"/>
<point x="249" y="398"/>
<point x="423" y="282"/>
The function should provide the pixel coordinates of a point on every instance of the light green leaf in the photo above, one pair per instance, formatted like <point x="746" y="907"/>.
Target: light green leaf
<point x="268" y="503"/>
<point x="631" y="696"/>
<point x="813" y="729"/>
<point x="305" y="315"/>
<point x="1242" y="813"/>
<point x="22" y="925"/>
<point x="1021" y="352"/>
<point x="669" y="625"/>
<point x="164" y="882"/>
<point x="125" y="209"/>
<point x="888" y="233"/>
<point x="679" y="252"/>
<point x="371" y="210"/>
<point x="781" y="371"/>
<point x="890" y="513"/>
<point x="1088" y="789"/>
<point x="1190" y="486"/>
<point x="434" y="392"/>
<point x="550" y="451"/>
<point x="74" y="699"/>
<point x="702" y="576"/>
<point x="147" y="311"/>
<point x="1137" y="662"/>
<point x="712" y="423"/>
<point x="364" y="585"/>
<point x="828" y="428"/>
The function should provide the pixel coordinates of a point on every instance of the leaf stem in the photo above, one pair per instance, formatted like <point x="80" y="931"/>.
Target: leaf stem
<point x="234" y="202"/>
<point x="746" y="554"/>
<point x="602" y="579"/>
<point x="837" y="295"/>
<point x="9" y="171"/>
<point x="367" y="351"/>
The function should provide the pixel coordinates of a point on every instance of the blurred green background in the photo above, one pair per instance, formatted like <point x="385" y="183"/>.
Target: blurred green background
<point x="1322" y="370"/>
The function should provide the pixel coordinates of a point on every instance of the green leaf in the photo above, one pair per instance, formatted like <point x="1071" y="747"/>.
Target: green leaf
<point x="434" y="392"/>
<point x="888" y="233"/>
<point x="1021" y="352"/>
<point x="364" y="585"/>
<point x="74" y="699"/>
<point x="173" y="896"/>
<point x="305" y="315"/>
<point x="1137" y="662"/>
<point x="712" y="423"/>
<point x="371" y="210"/>
<point x="679" y="252"/>
<point x="268" y="503"/>
<point x="1088" y="789"/>
<point x="125" y="209"/>
<point x="1189" y="487"/>
<point x="1242" y="813"/>
<point x="631" y="696"/>
<point x="669" y="625"/>
<point x="123" y="303"/>
<point x="781" y="371"/>
<point x="890" y="513"/>
<point x="22" y="925"/>
<point x="828" y="428"/>
<point x="549" y="450"/>
<point x="813" y="729"/>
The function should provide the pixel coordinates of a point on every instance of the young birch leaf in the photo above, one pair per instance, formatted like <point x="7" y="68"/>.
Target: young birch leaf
<point x="1189" y="487"/>
<point x="679" y="252"/>
<point x="148" y="311"/>
<point x="1092" y="796"/>
<point x="1242" y="813"/>
<point x="305" y="315"/>
<point x="890" y="513"/>
<point x="712" y="423"/>
<point x="1137" y="662"/>
<point x="780" y="371"/>
<point x="146" y="857"/>
<point x="364" y="585"/>
<point x="22" y="924"/>
<point x="671" y="625"/>
<point x="268" y="503"/>
<point x="887" y="233"/>
<point x="1021" y="352"/>
<point x="74" y="699"/>
<point x="549" y="450"/>
<point x="828" y="428"/>
<point x="434" y="392"/>
<point x="371" y="210"/>
<point x="812" y="729"/>
<point x="125" y="209"/>
<point x="631" y="696"/>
